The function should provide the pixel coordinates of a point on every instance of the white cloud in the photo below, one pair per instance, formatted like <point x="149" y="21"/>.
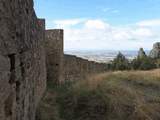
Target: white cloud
<point x="67" y="22"/>
<point x="121" y="35"/>
<point x="143" y="32"/>
<point x="99" y="34"/>
<point x="149" y="23"/>
<point x="96" y="24"/>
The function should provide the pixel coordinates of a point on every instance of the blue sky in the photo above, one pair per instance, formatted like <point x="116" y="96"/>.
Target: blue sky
<point x="130" y="24"/>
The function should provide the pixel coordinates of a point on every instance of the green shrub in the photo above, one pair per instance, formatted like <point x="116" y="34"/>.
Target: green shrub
<point x="82" y="105"/>
<point x="139" y="63"/>
<point x="143" y="63"/>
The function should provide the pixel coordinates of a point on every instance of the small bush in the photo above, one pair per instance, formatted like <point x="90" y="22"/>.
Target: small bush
<point x="82" y="105"/>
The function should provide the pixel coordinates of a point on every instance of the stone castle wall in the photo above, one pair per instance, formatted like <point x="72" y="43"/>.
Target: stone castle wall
<point x="78" y="69"/>
<point x="41" y="76"/>
<point x="62" y="68"/>
<point x="22" y="60"/>
<point x="28" y="56"/>
<point x="54" y="51"/>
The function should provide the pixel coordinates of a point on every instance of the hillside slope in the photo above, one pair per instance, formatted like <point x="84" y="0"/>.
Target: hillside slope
<point x="133" y="95"/>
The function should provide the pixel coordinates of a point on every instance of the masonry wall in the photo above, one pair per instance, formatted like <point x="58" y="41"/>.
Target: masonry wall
<point x="62" y="68"/>
<point x="54" y="52"/>
<point x="41" y="70"/>
<point x="78" y="69"/>
<point x="22" y="60"/>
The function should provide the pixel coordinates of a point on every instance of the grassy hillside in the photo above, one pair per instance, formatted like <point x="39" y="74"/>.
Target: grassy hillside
<point x="133" y="95"/>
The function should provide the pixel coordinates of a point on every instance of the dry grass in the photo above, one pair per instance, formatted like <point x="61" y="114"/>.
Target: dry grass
<point x="133" y="95"/>
<point x="152" y="76"/>
<point x="127" y="95"/>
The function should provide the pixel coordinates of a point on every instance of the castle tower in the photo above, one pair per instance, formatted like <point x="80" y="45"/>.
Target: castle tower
<point x="54" y="51"/>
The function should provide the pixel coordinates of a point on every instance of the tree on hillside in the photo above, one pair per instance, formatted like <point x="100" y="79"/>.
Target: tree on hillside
<point x="120" y="62"/>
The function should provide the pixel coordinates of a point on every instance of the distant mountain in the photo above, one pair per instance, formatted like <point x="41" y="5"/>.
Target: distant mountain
<point x="103" y="56"/>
